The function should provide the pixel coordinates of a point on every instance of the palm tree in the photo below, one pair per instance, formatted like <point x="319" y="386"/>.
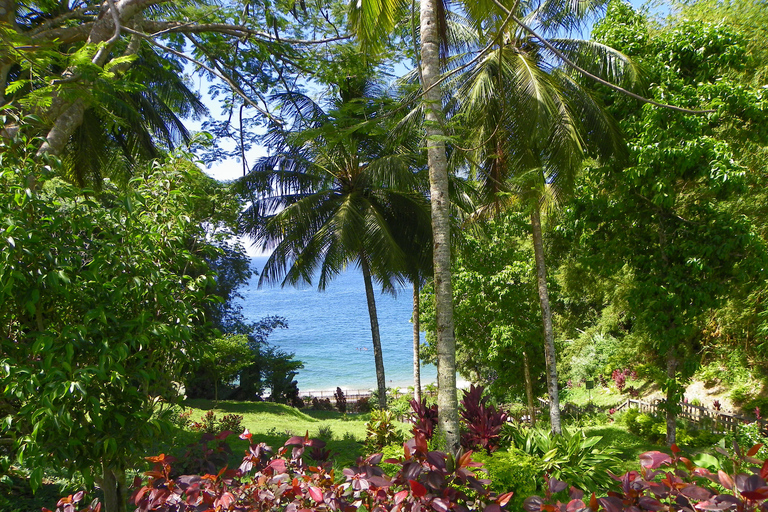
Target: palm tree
<point x="532" y="126"/>
<point x="372" y="20"/>
<point x="328" y="197"/>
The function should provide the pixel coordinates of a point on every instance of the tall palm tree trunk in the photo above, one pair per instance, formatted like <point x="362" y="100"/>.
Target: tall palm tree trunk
<point x="378" y="358"/>
<point x="447" y="400"/>
<point x="416" y="342"/>
<point x="546" y="317"/>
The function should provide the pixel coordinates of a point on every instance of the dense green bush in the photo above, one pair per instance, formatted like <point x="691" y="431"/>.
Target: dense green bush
<point x="571" y="456"/>
<point x="654" y="429"/>
<point x="514" y="471"/>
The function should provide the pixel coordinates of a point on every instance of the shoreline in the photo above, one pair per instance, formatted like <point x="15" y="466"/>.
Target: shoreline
<point x="358" y="391"/>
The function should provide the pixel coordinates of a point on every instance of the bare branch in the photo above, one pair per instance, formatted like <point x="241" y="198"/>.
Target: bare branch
<point x="158" y="28"/>
<point x="211" y="70"/>
<point x="104" y="50"/>
<point x="587" y="74"/>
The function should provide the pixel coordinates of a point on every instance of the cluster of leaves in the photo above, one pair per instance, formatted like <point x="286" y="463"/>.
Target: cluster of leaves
<point x="70" y="504"/>
<point x="424" y="418"/>
<point x="572" y="456"/>
<point x="667" y="482"/>
<point x="341" y="400"/>
<point x="210" y="424"/>
<point x="103" y="300"/>
<point x="321" y="404"/>
<point x="381" y="430"/>
<point x="425" y="480"/>
<point x="482" y="421"/>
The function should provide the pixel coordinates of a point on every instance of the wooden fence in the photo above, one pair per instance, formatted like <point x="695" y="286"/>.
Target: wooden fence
<point x="703" y="417"/>
<point x="353" y="395"/>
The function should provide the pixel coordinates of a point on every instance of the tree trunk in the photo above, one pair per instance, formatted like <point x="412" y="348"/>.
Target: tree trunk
<point x="672" y="397"/>
<point x="529" y="389"/>
<point x="416" y="342"/>
<point x="546" y="317"/>
<point x="381" y="381"/>
<point x="102" y="31"/>
<point x="447" y="400"/>
<point x="113" y="486"/>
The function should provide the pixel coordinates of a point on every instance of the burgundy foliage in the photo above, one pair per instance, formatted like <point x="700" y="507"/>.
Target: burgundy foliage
<point x="70" y="504"/>
<point x="424" y="418"/>
<point x="341" y="400"/>
<point x="669" y="483"/>
<point x="425" y="481"/>
<point x="483" y="421"/>
<point x="620" y="379"/>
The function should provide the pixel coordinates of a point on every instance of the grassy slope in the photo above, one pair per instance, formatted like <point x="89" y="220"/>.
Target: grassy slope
<point x="273" y="424"/>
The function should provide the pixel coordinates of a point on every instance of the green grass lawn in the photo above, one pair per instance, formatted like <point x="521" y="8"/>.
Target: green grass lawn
<point x="273" y="424"/>
<point x="627" y="444"/>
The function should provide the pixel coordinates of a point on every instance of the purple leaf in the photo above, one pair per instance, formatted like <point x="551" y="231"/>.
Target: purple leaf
<point x="534" y="503"/>
<point x="611" y="504"/>
<point x="695" y="493"/>
<point x="575" y="506"/>
<point x="654" y="459"/>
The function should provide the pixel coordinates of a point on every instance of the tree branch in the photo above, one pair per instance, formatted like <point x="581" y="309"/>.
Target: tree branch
<point x="158" y="28"/>
<point x="211" y="70"/>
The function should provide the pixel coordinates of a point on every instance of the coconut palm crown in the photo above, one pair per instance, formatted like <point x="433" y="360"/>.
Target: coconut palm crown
<point x="333" y="195"/>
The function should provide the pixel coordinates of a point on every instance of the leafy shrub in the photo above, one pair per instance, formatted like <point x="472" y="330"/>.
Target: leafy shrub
<point x="572" y="456"/>
<point x="232" y="423"/>
<point x="208" y="424"/>
<point x="747" y="434"/>
<point x="181" y="419"/>
<point x="70" y="504"/>
<point x="424" y="418"/>
<point x="325" y="433"/>
<point x="424" y="480"/>
<point x="482" y="421"/>
<point x="363" y="404"/>
<point x="204" y="456"/>
<point x="400" y="405"/>
<point x="341" y="400"/>
<point x="741" y="394"/>
<point x="381" y="431"/>
<point x="760" y="403"/>
<point x="619" y="379"/>
<point x="321" y="404"/>
<point x="668" y="483"/>
<point x="513" y="471"/>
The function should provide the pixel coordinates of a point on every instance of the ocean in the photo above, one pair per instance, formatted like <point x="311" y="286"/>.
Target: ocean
<point x="330" y="331"/>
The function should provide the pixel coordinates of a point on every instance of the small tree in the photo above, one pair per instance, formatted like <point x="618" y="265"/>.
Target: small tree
<point x="102" y="310"/>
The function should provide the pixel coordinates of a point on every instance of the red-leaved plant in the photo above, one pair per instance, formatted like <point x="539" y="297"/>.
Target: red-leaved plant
<point x="483" y="422"/>
<point x="424" y="418"/>
<point x="669" y="483"/>
<point x="426" y="480"/>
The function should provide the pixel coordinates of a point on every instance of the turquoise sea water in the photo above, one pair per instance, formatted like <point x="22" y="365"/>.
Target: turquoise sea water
<point x="330" y="331"/>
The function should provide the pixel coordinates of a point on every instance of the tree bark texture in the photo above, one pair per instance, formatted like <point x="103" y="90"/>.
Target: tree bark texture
<point x="529" y="389"/>
<point x="378" y="358"/>
<point x="447" y="401"/>
<point x="114" y="488"/>
<point x="416" y="343"/>
<point x="546" y="317"/>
